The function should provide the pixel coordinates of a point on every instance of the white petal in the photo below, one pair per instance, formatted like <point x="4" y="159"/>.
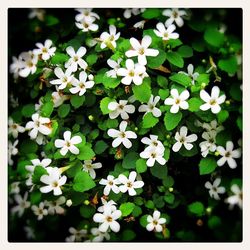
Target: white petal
<point x="176" y="147"/>
<point x="76" y="139"/>
<point x="113" y="132"/>
<point x="204" y="96"/>
<point x="135" y="43"/>
<point x="116" y="142"/>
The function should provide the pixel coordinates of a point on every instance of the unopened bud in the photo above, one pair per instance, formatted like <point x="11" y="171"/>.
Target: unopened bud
<point x="86" y="202"/>
<point x="216" y="153"/>
<point x="170" y="189"/>
<point x="203" y="85"/>
<point x="69" y="203"/>
<point x="228" y="102"/>
<point x="91" y="117"/>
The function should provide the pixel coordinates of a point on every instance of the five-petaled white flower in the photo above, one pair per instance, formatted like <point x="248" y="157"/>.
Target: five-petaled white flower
<point x="38" y="13"/>
<point x="121" y="109"/>
<point x="14" y="128"/>
<point x="228" y="155"/>
<point x="212" y="126"/>
<point x="54" y="181"/>
<point x="155" y="222"/>
<point x="109" y="39"/>
<point x="129" y="184"/>
<point x="14" y="187"/>
<point x="175" y="15"/>
<point x="54" y="207"/>
<point x="45" y="50"/>
<point x="29" y="62"/>
<point x="76" y="235"/>
<point x="38" y="125"/>
<point x="110" y="184"/>
<point x="85" y="14"/>
<point x="236" y="198"/>
<point x="12" y="150"/>
<point x="76" y="59"/>
<point x="80" y="86"/>
<point x="98" y="235"/>
<point x="40" y="211"/>
<point x="153" y="154"/>
<point x="108" y="220"/>
<point x="90" y="167"/>
<point x="215" y="189"/>
<point x="121" y="135"/>
<point x="68" y="144"/>
<point x="132" y="73"/>
<point x="151" y="106"/>
<point x="132" y="11"/>
<point x="63" y="78"/>
<point x="209" y="143"/>
<point x="115" y="66"/>
<point x="212" y="102"/>
<point x="22" y="204"/>
<point x="111" y="204"/>
<point x="164" y="33"/>
<point x="190" y="72"/>
<point x="58" y="97"/>
<point x="141" y="50"/>
<point x="16" y="66"/>
<point x="153" y="142"/>
<point x="87" y="24"/>
<point x="183" y="139"/>
<point x="178" y="101"/>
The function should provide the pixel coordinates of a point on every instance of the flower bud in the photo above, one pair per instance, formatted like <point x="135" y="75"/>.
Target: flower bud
<point x="69" y="203"/>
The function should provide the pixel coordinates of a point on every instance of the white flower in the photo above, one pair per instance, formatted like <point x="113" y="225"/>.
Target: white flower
<point x="121" y="109"/>
<point x="191" y="73"/>
<point x="63" y="78"/>
<point x="178" y="101"/>
<point x="110" y="184"/>
<point x="115" y="66"/>
<point x="80" y="86"/>
<point x="13" y="101"/>
<point x="68" y="144"/>
<point x="16" y="66"/>
<point x="45" y="50"/>
<point x="132" y="73"/>
<point x="235" y="199"/>
<point x="87" y="24"/>
<point x="39" y="124"/>
<point x="69" y="203"/>
<point x="54" y="181"/>
<point x="164" y="33"/>
<point x="99" y="236"/>
<point x="212" y="126"/>
<point x="22" y="204"/>
<point x="209" y="143"/>
<point x="139" y="24"/>
<point x="38" y="13"/>
<point x="131" y="11"/>
<point x="182" y="139"/>
<point x="40" y="211"/>
<point x="29" y="61"/>
<point x="76" y="58"/>
<point x="155" y="222"/>
<point x="228" y="155"/>
<point x="54" y="206"/>
<point x="108" y="204"/>
<point x="130" y="183"/>
<point x="30" y="233"/>
<point x="175" y="15"/>
<point x="212" y="102"/>
<point x="31" y="168"/>
<point x="141" y="50"/>
<point x="58" y="97"/>
<point x="14" y="187"/>
<point x="108" y="220"/>
<point x="14" y="128"/>
<point x="12" y="150"/>
<point x="90" y="167"/>
<point x="153" y="154"/>
<point x="122" y="136"/>
<point x="153" y="142"/>
<point x="85" y="14"/>
<point x="109" y="39"/>
<point x="151" y="106"/>
<point x="215" y="189"/>
<point x="39" y="104"/>
<point x="76" y="235"/>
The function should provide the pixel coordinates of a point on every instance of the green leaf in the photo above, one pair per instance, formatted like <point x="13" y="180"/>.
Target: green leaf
<point x="185" y="51"/>
<point x="142" y="92"/>
<point x="28" y="147"/>
<point x="51" y="20"/>
<point x="207" y="165"/>
<point x="173" y="43"/>
<point x="47" y="109"/>
<point x="189" y="153"/>
<point x="239" y="122"/>
<point x="214" y="222"/>
<point x="236" y="92"/>
<point x="149" y="121"/>
<point x="175" y="59"/>
<point x="91" y="59"/>
<point x="63" y="110"/>
<point x="128" y="235"/>
<point x="168" y="182"/>
<point x="203" y="78"/>
<point x="169" y="198"/>
<point x="129" y="161"/>
<point x="222" y="137"/>
<point x="228" y="65"/>
<point x="137" y="211"/>
<point x="222" y="116"/>
<point x="150" y="204"/>
<point x="86" y="153"/>
<point x="194" y="104"/>
<point x="104" y="105"/>
<point x="143" y="220"/>
<point x="151" y="13"/>
<point x="35" y="197"/>
<point x="163" y="93"/>
<point x="213" y="37"/>
<point x="110" y="82"/>
<point x="182" y="79"/>
<point x="159" y="171"/>
<point x="28" y="110"/>
<point x="38" y="172"/>
<point x="141" y="166"/>
<point x="127" y="208"/>
<point x="87" y="211"/>
<point x="77" y="101"/>
<point x="59" y="58"/>
<point x="83" y="182"/>
<point x="171" y="120"/>
<point x="196" y="208"/>
<point x="100" y="147"/>
<point x="162" y="81"/>
<point x="156" y="61"/>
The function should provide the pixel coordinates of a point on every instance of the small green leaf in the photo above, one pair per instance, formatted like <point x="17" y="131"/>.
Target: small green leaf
<point x="156" y="61"/>
<point x="185" y="51"/>
<point x="28" y="110"/>
<point x="83" y="182"/>
<point x="110" y="82"/>
<point x="162" y="81"/>
<point x="149" y="121"/>
<point x="222" y="116"/>
<point x="194" y="104"/>
<point x="63" y="110"/>
<point x="236" y="92"/>
<point x="38" y="172"/>
<point x="228" y="65"/>
<point x="59" y="58"/>
<point x="127" y="208"/>
<point x="169" y="198"/>
<point x="171" y="120"/>
<point x="100" y="147"/>
<point x="143" y="220"/>
<point x="207" y="165"/>
<point x="239" y="122"/>
<point x="104" y="105"/>
<point x="182" y="79"/>
<point x="214" y="222"/>
<point x="51" y="20"/>
<point x="151" y="13"/>
<point x="175" y="59"/>
<point x="196" y="208"/>
<point x="159" y="171"/>
<point x="87" y="211"/>
<point x="163" y="93"/>
<point x="150" y="204"/>
<point x="213" y="37"/>
<point x="47" y="109"/>
<point x="28" y="147"/>
<point x="142" y="92"/>
<point x="128" y="235"/>
<point x="77" y="101"/>
<point x="91" y="59"/>
<point x="141" y="166"/>
<point x="129" y="161"/>
<point x="86" y="153"/>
